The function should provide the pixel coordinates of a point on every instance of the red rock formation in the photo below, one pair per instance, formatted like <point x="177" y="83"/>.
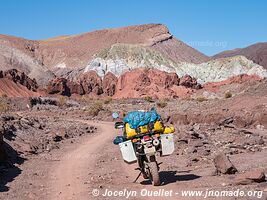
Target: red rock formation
<point x="146" y="82"/>
<point x="64" y="87"/>
<point x="109" y="84"/>
<point x="189" y="82"/>
<point x="213" y="87"/>
<point x="58" y="86"/>
<point x="137" y="83"/>
<point x="91" y="82"/>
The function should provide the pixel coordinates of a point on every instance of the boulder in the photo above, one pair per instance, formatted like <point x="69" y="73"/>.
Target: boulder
<point x="58" y="86"/>
<point x="224" y="165"/>
<point x="189" y="82"/>
<point x="179" y="119"/>
<point x="255" y="175"/>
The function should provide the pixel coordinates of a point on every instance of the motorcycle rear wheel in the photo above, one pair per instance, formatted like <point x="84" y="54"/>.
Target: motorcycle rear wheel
<point x="154" y="173"/>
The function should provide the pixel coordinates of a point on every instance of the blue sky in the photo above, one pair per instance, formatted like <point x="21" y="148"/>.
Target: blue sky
<point x="210" y="26"/>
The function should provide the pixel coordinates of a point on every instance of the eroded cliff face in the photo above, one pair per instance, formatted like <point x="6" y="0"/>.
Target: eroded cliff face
<point x="41" y="59"/>
<point x="137" y="83"/>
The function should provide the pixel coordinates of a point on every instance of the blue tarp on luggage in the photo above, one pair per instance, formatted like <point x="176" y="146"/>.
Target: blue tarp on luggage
<point x="139" y="118"/>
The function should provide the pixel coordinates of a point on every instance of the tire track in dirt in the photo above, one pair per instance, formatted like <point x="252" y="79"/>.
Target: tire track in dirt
<point x="69" y="176"/>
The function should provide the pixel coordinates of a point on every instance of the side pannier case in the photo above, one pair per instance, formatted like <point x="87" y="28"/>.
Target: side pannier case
<point x="127" y="151"/>
<point x="167" y="144"/>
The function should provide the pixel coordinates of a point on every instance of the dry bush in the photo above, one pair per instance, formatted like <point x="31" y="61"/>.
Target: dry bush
<point x="107" y="100"/>
<point x="228" y="94"/>
<point x="62" y="101"/>
<point x="201" y="99"/>
<point x="95" y="108"/>
<point x="4" y="95"/>
<point x="4" y="106"/>
<point x="148" y="99"/>
<point x="161" y="104"/>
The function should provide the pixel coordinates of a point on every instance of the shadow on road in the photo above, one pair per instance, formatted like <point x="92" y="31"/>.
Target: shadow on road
<point x="168" y="177"/>
<point x="8" y="170"/>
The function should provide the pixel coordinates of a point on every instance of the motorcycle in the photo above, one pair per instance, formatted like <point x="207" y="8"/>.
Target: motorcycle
<point x="144" y="149"/>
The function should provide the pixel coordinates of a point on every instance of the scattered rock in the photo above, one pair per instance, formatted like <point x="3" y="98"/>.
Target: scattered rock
<point x="224" y="165"/>
<point x="255" y="175"/>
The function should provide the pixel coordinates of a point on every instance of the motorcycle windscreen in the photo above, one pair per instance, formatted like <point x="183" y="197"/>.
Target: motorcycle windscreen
<point x="167" y="144"/>
<point x="127" y="151"/>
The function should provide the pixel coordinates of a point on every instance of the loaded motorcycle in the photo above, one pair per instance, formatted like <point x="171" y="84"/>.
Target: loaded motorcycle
<point x="144" y="147"/>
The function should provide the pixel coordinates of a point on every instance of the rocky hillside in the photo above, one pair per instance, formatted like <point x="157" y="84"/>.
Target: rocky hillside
<point x="121" y="58"/>
<point x="103" y="62"/>
<point x="41" y="59"/>
<point x="221" y="69"/>
<point x="14" y="83"/>
<point x="256" y="52"/>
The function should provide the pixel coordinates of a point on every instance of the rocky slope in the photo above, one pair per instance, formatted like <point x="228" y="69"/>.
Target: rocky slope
<point x="14" y="83"/>
<point x="256" y="52"/>
<point x="92" y="63"/>
<point x="41" y="59"/>
<point x="121" y="58"/>
<point x="221" y="69"/>
<point x="19" y="53"/>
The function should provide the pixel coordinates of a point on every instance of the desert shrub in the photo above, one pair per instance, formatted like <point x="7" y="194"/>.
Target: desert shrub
<point x="107" y="100"/>
<point x="4" y="95"/>
<point x="4" y="106"/>
<point x="161" y="104"/>
<point x="201" y="99"/>
<point x="62" y="101"/>
<point x="148" y="99"/>
<point x="228" y="94"/>
<point x="95" y="108"/>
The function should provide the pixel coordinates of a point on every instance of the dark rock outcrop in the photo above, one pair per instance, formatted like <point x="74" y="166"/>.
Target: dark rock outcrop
<point x="20" y="77"/>
<point x="64" y="87"/>
<point x="189" y="82"/>
<point x="109" y="84"/>
<point x="59" y="86"/>
<point x="91" y="83"/>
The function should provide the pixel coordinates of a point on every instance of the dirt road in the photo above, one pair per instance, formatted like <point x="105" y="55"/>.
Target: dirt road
<point x="70" y="174"/>
<point x="71" y="178"/>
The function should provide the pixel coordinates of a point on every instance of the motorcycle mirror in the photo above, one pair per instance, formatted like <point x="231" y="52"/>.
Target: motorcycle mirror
<point x="115" y="115"/>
